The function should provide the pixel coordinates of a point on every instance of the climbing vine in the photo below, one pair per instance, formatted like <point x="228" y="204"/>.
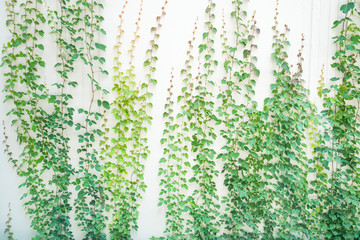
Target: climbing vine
<point x="8" y="230"/>
<point x="123" y="187"/>
<point x="241" y="128"/>
<point x="337" y="150"/>
<point x="112" y="173"/>
<point x="203" y="203"/>
<point x="289" y="170"/>
<point x="174" y="166"/>
<point x="63" y="27"/>
<point x="36" y="127"/>
<point x="288" y="112"/>
<point x="129" y="149"/>
<point x="90" y="201"/>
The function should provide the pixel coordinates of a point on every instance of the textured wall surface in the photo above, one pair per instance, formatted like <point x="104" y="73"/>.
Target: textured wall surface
<point x="313" y="18"/>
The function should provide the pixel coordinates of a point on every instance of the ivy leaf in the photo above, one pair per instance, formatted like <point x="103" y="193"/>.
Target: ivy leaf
<point x="147" y="63"/>
<point x="347" y="7"/>
<point x="202" y="47"/>
<point x="291" y="155"/>
<point x="285" y="66"/>
<point x="106" y="104"/>
<point x="246" y="53"/>
<point x="350" y="48"/>
<point x="40" y="46"/>
<point x="100" y="46"/>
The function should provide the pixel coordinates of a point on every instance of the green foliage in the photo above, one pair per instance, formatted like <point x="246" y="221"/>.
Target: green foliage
<point x="128" y="149"/>
<point x="90" y="203"/>
<point x="44" y="149"/>
<point x="242" y="128"/>
<point x="189" y="155"/>
<point x="8" y="230"/>
<point x="8" y="151"/>
<point x="124" y="176"/>
<point x="266" y="165"/>
<point x="203" y="203"/>
<point x="287" y="164"/>
<point x="175" y="164"/>
<point x="113" y="172"/>
<point x="275" y="189"/>
<point x="173" y="172"/>
<point x="41" y="131"/>
<point x="336" y="150"/>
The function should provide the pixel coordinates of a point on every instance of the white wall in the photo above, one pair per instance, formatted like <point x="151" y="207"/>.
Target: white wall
<point x="312" y="17"/>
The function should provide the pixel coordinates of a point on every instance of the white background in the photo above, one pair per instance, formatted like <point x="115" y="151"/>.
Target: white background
<point x="313" y="18"/>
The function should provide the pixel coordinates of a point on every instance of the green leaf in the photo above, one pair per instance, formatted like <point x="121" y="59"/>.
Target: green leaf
<point x="147" y="63"/>
<point x="100" y="46"/>
<point x="347" y="7"/>
<point x="40" y="46"/>
<point x="106" y="104"/>
<point x="202" y="47"/>
<point x="350" y="48"/>
<point x="285" y="66"/>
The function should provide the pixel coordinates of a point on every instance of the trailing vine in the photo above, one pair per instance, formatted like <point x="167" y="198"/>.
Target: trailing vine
<point x="170" y="171"/>
<point x="7" y="150"/>
<point x="203" y="204"/>
<point x="273" y="190"/>
<point x="174" y="164"/>
<point x="131" y="112"/>
<point x="318" y="182"/>
<point x="242" y="128"/>
<point x="112" y="178"/>
<point x="65" y="24"/>
<point x="289" y="115"/>
<point x="8" y="230"/>
<point x="36" y="127"/>
<point x="90" y="201"/>
<point x="337" y="151"/>
<point x="122" y="188"/>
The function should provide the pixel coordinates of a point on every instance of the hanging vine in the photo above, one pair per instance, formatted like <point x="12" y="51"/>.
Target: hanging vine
<point x="90" y="201"/>
<point x="131" y="112"/>
<point x="8" y="230"/>
<point x="319" y="180"/>
<point x="337" y="151"/>
<point x="174" y="163"/>
<point x="125" y="113"/>
<point x="242" y="128"/>
<point x="36" y="127"/>
<point x="65" y="25"/>
<point x="203" y="204"/>
<point x="289" y="115"/>
<point x="112" y="171"/>
<point x="273" y="190"/>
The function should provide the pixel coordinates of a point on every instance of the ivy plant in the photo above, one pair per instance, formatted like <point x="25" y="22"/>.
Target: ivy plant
<point x="90" y="203"/>
<point x="336" y="151"/>
<point x="241" y="127"/>
<point x="174" y="165"/>
<point x="203" y="204"/>
<point x="37" y="131"/>
<point x="128" y="149"/>
<point x="8" y="230"/>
